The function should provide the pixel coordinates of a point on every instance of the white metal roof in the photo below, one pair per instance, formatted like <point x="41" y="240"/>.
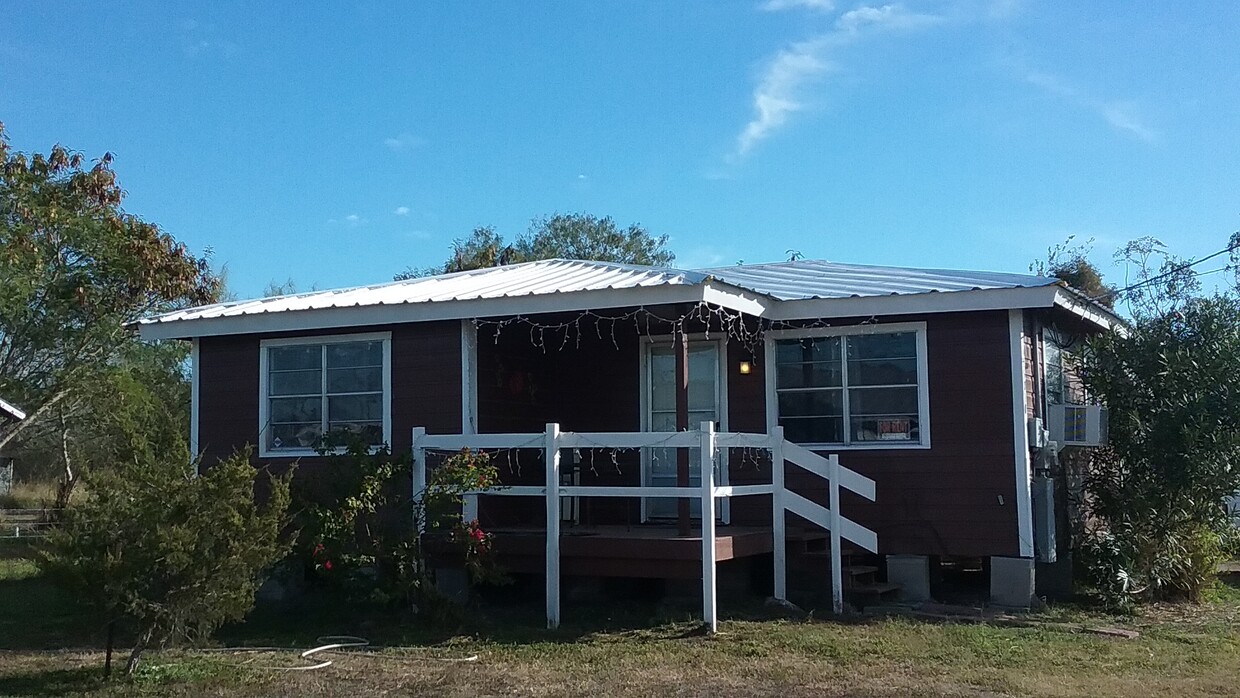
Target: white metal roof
<point x="805" y="279"/>
<point x="803" y="288"/>
<point x="528" y="279"/>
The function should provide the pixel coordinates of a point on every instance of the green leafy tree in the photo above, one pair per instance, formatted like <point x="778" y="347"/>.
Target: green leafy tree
<point x="75" y="268"/>
<point x="175" y="555"/>
<point x="1169" y="379"/>
<point x="567" y="236"/>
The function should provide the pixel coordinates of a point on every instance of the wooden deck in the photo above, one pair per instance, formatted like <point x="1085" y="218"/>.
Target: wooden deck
<point x="645" y="550"/>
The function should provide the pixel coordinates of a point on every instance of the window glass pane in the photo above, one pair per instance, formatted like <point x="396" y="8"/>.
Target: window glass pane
<point x="811" y="403"/>
<point x="807" y="349"/>
<point x="868" y="401"/>
<point x="295" y="357"/>
<point x="354" y="354"/>
<point x="663" y="421"/>
<point x="295" y="409"/>
<point x="662" y="379"/>
<point x="886" y="428"/>
<point x="354" y="408"/>
<point x="294" y="435"/>
<point x="354" y="380"/>
<point x="813" y="375"/>
<point x="892" y="345"/>
<point x="818" y="430"/>
<point x="296" y="383"/>
<point x="882" y="372"/>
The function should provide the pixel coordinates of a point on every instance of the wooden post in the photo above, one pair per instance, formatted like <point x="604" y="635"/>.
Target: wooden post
<point x="779" y="539"/>
<point x="683" y="514"/>
<point x="837" y="556"/>
<point x="419" y="479"/>
<point x="553" y="525"/>
<point x="469" y="401"/>
<point x="710" y="601"/>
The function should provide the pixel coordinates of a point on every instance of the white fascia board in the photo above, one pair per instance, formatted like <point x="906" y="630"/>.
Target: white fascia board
<point x="394" y="313"/>
<point x="916" y="304"/>
<point x="1087" y="310"/>
<point x="12" y="411"/>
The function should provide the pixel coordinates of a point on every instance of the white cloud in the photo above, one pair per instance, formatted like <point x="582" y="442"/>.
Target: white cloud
<point x="404" y="141"/>
<point x="1120" y="115"/>
<point x="352" y="220"/>
<point x="401" y="211"/>
<point x="582" y="177"/>
<point x="779" y="93"/>
<point x="780" y="5"/>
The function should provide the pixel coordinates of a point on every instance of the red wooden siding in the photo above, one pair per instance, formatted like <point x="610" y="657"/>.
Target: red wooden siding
<point x="956" y="498"/>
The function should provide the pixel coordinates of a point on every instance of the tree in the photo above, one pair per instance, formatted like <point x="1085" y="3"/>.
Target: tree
<point x="1157" y="492"/>
<point x="568" y="236"/>
<point x="175" y="554"/>
<point x="1070" y="264"/>
<point x="75" y="269"/>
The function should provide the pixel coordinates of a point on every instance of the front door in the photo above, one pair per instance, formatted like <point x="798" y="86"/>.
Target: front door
<point x="707" y="391"/>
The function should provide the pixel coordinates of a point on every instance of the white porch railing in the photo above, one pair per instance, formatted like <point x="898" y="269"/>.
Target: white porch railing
<point x="708" y="441"/>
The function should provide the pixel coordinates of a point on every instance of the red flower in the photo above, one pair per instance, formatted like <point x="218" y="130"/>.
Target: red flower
<point x="318" y="549"/>
<point x="477" y="534"/>
<point x="327" y="565"/>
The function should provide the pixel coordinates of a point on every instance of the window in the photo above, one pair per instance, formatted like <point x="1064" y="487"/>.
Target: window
<point x="852" y="386"/>
<point x="314" y="386"/>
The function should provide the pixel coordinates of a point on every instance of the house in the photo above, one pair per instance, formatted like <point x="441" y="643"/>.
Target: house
<point x="923" y="383"/>
<point x="10" y="413"/>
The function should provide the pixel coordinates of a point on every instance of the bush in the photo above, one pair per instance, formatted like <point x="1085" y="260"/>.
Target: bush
<point x="365" y="541"/>
<point x="176" y="554"/>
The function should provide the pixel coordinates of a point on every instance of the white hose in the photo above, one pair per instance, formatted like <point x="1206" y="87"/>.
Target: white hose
<point x="330" y="643"/>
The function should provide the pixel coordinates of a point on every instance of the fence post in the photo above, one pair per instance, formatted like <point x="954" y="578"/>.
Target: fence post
<point x="837" y="555"/>
<point x="710" y="601"/>
<point x="779" y="540"/>
<point x="553" y="525"/>
<point x="419" y="478"/>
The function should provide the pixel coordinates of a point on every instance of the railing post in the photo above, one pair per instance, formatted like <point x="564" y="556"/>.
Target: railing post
<point x="710" y="601"/>
<point x="837" y="554"/>
<point x="552" y="498"/>
<point x="419" y="478"/>
<point x="779" y="542"/>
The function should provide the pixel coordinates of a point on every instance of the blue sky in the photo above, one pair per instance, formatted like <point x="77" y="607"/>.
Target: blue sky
<point x="336" y="146"/>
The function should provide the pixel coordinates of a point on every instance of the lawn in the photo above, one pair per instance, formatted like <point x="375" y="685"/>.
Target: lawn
<point x="49" y="647"/>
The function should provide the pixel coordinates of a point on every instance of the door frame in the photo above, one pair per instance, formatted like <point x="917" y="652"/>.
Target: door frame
<point x="721" y="404"/>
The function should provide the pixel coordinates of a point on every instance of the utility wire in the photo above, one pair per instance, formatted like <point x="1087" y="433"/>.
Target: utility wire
<point x="1182" y="267"/>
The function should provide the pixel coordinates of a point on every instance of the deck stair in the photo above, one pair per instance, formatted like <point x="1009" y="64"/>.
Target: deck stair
<point x="863" y="585"/>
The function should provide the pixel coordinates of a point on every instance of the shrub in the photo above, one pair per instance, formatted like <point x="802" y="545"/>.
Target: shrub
<point x="365" y="539"/>
<point x="178" y="555"/>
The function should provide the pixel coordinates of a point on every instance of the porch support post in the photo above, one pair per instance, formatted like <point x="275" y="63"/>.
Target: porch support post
<point x="683" y="514"/>
<point x="553" y="525"/>
<point x="419" y="478"/>
<point x="837" y="553"/>
<point x="710" y="601"/>
<point x="195" y="371"/>
<point x="779" y="542"/>
<point x="469" y="400"/>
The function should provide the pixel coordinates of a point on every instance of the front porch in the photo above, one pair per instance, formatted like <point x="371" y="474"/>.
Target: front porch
<point x="643" y="550"/>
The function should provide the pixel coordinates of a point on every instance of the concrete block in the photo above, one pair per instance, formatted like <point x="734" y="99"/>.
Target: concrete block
<point x="1012" y="581"/>
<point x="912" y="573"/>
<point x="453" y="582"/>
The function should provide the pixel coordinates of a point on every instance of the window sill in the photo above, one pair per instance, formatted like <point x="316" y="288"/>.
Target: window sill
<point x="307" y="452"/>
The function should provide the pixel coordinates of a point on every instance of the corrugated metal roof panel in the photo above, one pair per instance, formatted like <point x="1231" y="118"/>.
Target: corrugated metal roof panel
<point x="529" y="279"/>
<point x="804" y="279"/>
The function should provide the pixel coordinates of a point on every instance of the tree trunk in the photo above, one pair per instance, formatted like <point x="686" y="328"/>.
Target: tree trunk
<point x="65" y="489"/>
<point x="107" y="658"/>
<point x="138" y="648"/>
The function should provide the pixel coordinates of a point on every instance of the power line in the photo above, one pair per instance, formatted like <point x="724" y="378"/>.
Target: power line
<point x="1172" y="272"/>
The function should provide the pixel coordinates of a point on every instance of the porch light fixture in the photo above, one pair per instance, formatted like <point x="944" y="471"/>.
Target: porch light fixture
<point x="745" y="368"/>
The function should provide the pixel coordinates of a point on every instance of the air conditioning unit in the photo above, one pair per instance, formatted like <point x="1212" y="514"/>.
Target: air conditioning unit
<point x="1078" y="425"/>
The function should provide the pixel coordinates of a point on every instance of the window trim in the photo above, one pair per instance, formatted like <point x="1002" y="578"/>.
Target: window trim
<point x="264" y="403"/>
<point x="923" y="382"/>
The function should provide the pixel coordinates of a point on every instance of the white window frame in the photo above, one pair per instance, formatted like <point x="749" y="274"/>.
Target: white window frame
<point x="923" y="383"/>
<point x="264" y="404"/>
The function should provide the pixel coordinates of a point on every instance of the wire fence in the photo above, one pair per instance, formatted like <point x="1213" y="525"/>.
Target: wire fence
<point x="26" y="523"/>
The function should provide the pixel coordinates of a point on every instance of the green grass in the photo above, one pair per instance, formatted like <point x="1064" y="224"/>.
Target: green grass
<point x="634" y="649"/>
